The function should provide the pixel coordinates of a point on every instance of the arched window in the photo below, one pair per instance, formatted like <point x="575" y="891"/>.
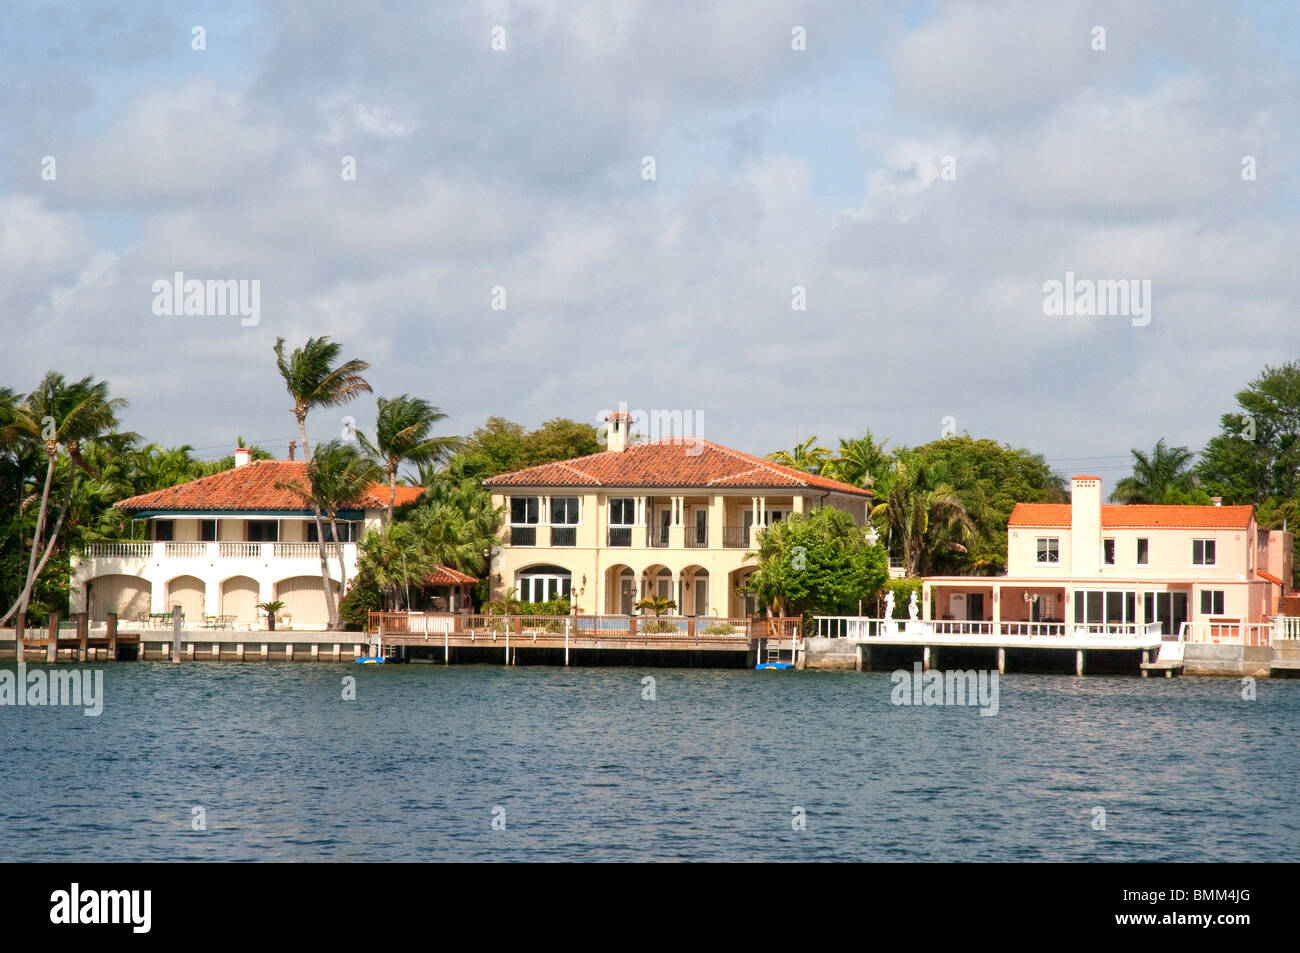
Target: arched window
<point x="543" y="583"/>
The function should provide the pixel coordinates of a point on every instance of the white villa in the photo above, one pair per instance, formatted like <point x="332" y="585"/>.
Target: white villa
<point x="219" y="545"/>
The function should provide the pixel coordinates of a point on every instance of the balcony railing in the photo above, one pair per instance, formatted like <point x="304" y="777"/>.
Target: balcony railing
<point x="564" y="536"/>
<point x="207" y="551"/>
<point x="697" y="537"/>
<point x="523" y="536"/>
<point x="735" y="537"/>
<point x="620" y="536"/>
<point x="656" y="537"/>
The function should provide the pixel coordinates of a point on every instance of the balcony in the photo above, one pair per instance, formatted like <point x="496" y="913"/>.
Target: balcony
<point x="656" y="537"/>
<point x="564" y="536"/>
<point x="619" y="536"/>
<point x="735" y="537"/>
<point x="697" y="537"/>
<point x="523" y="536"/>
<point x="156" y="552"/>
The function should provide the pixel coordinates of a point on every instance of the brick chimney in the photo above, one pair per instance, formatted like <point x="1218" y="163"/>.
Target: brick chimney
<point x="242" y="456"/>
<point x="1085" y="524"/>
<point x="292" y="444"/>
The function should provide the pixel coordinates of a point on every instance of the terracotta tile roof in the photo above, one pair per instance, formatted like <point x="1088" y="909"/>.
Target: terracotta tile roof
<point x="253" y="487"/>
<point x="1270" y="577"/>
<point x="1114" y="516"/>
<point x="671" y="463"/>
<point x="446" y="576"/>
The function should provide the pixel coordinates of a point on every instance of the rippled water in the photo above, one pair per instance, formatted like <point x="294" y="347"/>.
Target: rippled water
<point x="585" y="769"/>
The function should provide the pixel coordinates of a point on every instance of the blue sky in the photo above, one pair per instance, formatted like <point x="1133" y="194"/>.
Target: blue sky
<point x="775" y="168"/>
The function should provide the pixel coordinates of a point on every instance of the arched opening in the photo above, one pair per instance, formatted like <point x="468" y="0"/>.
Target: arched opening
<point x="620" y="590"/>
<point x="543" y="583"/>
<point x="239" y="599"/>
<point x="304" y="601"/>
<point x="129" y="596"/>
<point x="189" y="593"/>
<point x="695" y="591"/>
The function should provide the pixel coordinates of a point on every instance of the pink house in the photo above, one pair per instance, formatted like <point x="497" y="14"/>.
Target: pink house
<point x="1086" y="562"/>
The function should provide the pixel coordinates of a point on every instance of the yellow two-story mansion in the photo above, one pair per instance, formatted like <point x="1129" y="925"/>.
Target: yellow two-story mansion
<point x="675" y="518"/>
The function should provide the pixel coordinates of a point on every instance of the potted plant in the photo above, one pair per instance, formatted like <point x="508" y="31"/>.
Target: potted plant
<point x="271" y="608"/>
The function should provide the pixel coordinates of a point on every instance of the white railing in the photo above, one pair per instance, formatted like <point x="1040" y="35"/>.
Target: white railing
<point x="300" y="550"/>
<point x="120" y="550"/>
<point x="1288" y="627"/>
<point x="209" y="551"/>
<point x="1227" y="633"/>
<point x="862" y="627"/>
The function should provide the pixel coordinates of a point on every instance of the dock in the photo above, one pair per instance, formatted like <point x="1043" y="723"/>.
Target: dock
<point x="449" y="637"/>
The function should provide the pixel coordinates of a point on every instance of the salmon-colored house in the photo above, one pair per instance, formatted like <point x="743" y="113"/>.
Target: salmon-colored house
<point x="1085" y="562"/>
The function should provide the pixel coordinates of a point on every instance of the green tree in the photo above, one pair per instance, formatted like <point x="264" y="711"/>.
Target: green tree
<point x="1256" y="454"/>
<point x="560" y="439"/>
<point x="314" y="378"/>
<point x="858" y="462"/>
<point x="402" y="435"/>
<point x="924" y="511"/>
<point x="819" y="562"/>
<point x="338" y="476"/>
<point x="1167" y="470"/>
<point x="804" y="456"/>
<point x="391" y="558"/>
<point x="60" y="417"/>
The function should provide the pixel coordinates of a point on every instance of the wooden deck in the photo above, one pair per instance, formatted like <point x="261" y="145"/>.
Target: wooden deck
<point x="572" y="633"/>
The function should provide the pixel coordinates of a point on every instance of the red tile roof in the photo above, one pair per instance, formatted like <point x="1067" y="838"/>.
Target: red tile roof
<point x="1136" y="516"/>
<point x="671" y="463"/>
<point x="253" y="487"/>
<point x="446" y="576"/>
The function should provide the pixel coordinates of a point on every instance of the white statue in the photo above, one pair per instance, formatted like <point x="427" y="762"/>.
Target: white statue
<point x="913" y="608"/>
<point x="889" y="604"/>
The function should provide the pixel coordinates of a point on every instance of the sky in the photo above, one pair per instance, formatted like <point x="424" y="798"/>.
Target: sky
<point x="915" y="176"/>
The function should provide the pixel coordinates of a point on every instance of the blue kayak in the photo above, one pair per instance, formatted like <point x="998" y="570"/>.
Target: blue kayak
<point x="776" y="665"/>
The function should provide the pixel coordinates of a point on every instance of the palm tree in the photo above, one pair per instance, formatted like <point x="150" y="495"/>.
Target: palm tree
<point x="924" y="509"/>
<point x="394" y="556"/>
<point x="803" y="457"/>
<point x="315" y="379"/>
<point x="58" y="415"/>
<point x="402" y="436"/>
<point x="858" y="461"/>
<point x="656" y="604"/>
<point x="1168" y="468"/>
<point x="338" y="475"/>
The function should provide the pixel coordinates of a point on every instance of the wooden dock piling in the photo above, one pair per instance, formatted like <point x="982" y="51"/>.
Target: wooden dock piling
<point x="20" y="629"/>
<point x="52" y="644"/>
<point x="176" y="635"/>
<point x="83" y="635"/>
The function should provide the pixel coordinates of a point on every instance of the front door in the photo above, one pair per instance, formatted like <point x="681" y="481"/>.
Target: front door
<point x="626" y="594"/>
<point x="975" y="607"/>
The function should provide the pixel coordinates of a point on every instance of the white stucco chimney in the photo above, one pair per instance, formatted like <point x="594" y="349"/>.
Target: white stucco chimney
<point x="618" y="422"/>
<point x="1216" y="500"/>
<point x="242" y="456"/>
<point x="1085" y="524"/>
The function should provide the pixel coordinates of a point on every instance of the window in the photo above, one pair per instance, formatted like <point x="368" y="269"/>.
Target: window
<point x="564" y="511"/>
<point x="622" y="511"/>
<point x="1049" y="549"/>
<point x="164" y="530"/>
<point x="543" y="583"/>
<point x="1211" y="602"/>
<point x="1108" y="551"/>
<point x="1202" y="552"/>
<point x="1113" y="607"/>
<point x="1143" y="552"/>
<point x="263" y="531"/>
<point x="346" y="532"/>
<point x="523" y="510"/>
<point x="208" y="531"/>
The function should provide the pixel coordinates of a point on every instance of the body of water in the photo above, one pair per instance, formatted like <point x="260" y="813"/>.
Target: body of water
<point x="477" y="762"/>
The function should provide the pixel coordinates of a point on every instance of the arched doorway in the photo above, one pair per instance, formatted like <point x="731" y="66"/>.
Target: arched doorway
<point x="189" y="593"/>
<point x="129" y="596"/>
<point x="695" y="591"/>
<point x="239" y="599"/>
<point x="620" y="590"/>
